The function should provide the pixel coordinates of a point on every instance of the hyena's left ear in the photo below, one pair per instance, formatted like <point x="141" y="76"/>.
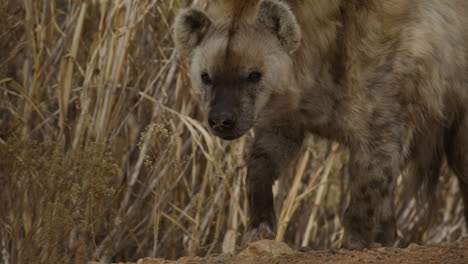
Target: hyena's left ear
<point x="190" y="27"/>
<point x="279" y="18"/>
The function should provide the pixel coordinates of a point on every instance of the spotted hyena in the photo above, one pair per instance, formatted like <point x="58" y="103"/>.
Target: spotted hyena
<point x="386" y="78"/>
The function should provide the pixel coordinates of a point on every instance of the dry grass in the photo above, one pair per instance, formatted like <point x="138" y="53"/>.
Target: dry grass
<point x="104" y="155"/>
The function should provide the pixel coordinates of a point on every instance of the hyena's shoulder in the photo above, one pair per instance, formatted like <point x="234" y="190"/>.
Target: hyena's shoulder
<point x="416" y="49"/>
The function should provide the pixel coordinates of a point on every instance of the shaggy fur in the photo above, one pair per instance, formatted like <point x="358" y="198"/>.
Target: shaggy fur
<point x="386" y="78"/>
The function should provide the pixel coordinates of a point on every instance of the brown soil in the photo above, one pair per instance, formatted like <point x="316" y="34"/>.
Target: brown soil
<point x="271" y="252"/>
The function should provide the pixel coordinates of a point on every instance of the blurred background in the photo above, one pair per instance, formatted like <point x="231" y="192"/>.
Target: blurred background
<point x="105" y="155"/>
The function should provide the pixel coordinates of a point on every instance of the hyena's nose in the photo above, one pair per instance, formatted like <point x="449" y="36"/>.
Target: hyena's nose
<point x="221" y="121"/>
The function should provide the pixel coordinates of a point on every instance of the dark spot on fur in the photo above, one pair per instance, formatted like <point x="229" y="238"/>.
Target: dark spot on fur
<point x="355" y="219"/>
<point x="376" y="115"/>
<point x="389" y="180"/>
<point x="388" y="222"/>
<point x="384" y="192"/>
<point x="276" y="24"/>
<point x="363" y="189"/>
<point x="374" y="184"/>
<point x="389" y="126"/>
<point x="370" y="212"/>
<point x="371" y="166"/>
<point x="381" y="157"/>
<point x="388" y="173"/>
<point x="385" y="68"/>
<point x="367" y="198"/>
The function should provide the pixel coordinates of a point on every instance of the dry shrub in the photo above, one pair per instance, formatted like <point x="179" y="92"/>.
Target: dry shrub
<point x="104" y="155"/>
<point x="54" y="204"/>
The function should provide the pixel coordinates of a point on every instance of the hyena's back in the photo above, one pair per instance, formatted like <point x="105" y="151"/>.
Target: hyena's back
<point x="421" y="45"/>
<point x="435" y="43"/>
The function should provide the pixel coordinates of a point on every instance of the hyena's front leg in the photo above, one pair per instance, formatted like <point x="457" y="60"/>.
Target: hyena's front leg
<point x="275" y="146"/>
<point x="370" y="214"/>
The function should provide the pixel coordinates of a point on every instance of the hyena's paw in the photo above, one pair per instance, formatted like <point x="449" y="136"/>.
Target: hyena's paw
<point x="354" y="241"/>
<point x="387" y="234"/>
<point x="263" y="231"/>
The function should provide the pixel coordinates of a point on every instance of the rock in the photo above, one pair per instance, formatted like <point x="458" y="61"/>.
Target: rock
<point x="381" y="250"/>
<point x="266" y="247"/>
<point x="413" y="245"/>
<point x="151" y="261"/>
<point x="375" y="245"/>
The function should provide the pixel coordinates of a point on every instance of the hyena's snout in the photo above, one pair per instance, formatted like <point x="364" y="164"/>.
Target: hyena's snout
<point x="221" y="121"/>
<point x="228" y="118"/>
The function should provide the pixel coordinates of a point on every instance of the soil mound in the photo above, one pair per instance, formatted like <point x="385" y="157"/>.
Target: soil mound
<point x="268" y="252"/>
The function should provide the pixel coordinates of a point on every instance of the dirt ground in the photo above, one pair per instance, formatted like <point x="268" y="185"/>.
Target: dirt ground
<point x="271" y="252"/>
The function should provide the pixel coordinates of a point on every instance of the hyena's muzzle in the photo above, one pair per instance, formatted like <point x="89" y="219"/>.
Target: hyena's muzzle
<point x="227" y="115"/>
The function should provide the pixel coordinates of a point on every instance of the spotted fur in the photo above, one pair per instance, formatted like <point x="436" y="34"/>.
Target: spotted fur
<point x="386" y="78"/>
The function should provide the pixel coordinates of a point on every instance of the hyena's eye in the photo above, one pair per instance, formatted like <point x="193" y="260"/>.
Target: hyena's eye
<point x="206" y="78"/>
<point x="255" y="77"/>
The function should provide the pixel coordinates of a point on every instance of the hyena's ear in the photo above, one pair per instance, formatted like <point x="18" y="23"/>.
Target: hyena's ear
<point x="190" y="27"/>
<point x="279" y="18"/>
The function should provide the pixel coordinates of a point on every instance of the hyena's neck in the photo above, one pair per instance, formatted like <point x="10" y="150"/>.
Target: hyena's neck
<point x="318" y="60"/>
<point x="321" y="22"/>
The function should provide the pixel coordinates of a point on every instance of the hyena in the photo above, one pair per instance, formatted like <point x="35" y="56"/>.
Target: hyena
<point x="388" y="79"/>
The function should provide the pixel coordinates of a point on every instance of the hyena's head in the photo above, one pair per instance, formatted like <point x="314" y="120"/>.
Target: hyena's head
<point x="241" y="63"/>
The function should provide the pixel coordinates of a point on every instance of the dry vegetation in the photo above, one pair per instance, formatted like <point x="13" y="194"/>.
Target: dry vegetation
<point x="104" y="154"/>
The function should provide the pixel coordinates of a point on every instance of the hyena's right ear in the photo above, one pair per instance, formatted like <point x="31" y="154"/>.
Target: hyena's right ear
<point x="278" y="17"/>
<point x="190" y="27"/>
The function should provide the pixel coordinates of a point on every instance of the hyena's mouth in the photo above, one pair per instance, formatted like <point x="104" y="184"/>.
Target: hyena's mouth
<point x="228" y="129"/>
<point x="230" y="136"/>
